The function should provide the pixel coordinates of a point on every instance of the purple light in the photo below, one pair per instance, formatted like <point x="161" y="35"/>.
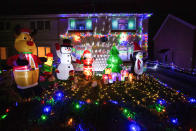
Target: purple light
<point x="47" y="109"/>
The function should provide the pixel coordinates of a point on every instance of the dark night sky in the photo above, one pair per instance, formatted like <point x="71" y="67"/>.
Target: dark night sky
<point x="160" y="8"/>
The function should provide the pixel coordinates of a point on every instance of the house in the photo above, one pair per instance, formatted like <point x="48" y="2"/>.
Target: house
<point x="96" y="32"/>
<point x="175" y="42"/>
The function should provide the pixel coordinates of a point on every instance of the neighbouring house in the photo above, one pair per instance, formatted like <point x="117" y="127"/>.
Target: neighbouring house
<point x="175" y="42"/>
<point x="96" y="32"/>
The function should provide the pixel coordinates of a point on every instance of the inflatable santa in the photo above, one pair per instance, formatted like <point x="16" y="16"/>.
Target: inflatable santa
<point x="87" y="61"/>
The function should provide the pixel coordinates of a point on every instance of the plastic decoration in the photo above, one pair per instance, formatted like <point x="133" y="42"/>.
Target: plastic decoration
<point x="138" y="68"/>
<point x="25" y="64"/>
<point x="87" y="61"/>
<point x="114" y="60"/>
<point x="64" y="53"/>
<point x="47" y="66"/>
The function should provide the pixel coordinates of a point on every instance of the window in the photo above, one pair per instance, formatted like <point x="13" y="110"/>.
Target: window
<point x="47" y="25"/>
<point x="124" y="24"/>
<point x="7" y="25"/>
<point x="40" y="25"/>
<point x="42" y="51"/>
<point x="32" y="25"/>
<point x="80" y="24"/>
<point x="3" y="55"/>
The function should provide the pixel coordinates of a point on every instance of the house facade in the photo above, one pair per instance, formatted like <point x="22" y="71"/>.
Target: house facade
<point x="95" y="32"/>
<point x="175" y="42"/>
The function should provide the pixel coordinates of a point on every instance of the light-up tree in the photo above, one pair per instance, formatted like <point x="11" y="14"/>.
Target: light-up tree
<point x="114" y="60"/>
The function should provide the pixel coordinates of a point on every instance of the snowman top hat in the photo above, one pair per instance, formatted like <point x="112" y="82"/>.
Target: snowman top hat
<point x="66" y="43"/>
<point x="136" y="48"/>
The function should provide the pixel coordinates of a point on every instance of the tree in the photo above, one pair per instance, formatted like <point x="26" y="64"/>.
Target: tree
<point x="114" y="60"/>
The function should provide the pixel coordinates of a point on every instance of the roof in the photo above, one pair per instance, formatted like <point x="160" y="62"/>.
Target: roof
<point x="144" y="15"/>
<point x="193" y="27"/>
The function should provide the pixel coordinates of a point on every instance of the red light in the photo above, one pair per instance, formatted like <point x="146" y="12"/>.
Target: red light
<point x="7" y="110"/>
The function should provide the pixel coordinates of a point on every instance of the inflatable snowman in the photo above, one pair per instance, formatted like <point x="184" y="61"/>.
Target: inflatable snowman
<point x="64" y="53"/>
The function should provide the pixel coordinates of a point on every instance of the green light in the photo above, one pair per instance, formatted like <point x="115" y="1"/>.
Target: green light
<point x="97" y="103"/>
<point x="3" y="116"/>
<point x="88" y="24"/>
<point x="43" y="117"/>
<point x="114" y="24"/>
<point x="50" y="101"/>
<point x="72" y="23"/>
<point x="159" y="108"/>
<point x="77" y="106"/>
<point x="125" y="110"/>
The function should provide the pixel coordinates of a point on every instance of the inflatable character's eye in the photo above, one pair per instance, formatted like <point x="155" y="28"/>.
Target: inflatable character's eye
<point x="25" y="38"/>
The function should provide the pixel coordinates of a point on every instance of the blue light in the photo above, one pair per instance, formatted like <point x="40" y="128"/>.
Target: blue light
<point x="47" y="109"/>
<point x="81" y="102"/>
<point x="134" y="127"/>
<point x="80" y="128"/>
<point x="192" y="100"/>
<point x="114" y="102"/>
<point x="16" y="103"/>
<point x="161" y="102"/>
<point x="174" y="121"/>
<point x="59" y="95"/>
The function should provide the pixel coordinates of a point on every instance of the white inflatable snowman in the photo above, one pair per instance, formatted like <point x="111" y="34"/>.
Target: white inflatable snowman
<point x="64" y="53"/>
<point x="138" y="67"/>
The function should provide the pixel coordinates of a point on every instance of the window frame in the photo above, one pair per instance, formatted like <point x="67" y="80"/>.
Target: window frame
<point x="124" y="30"/>
<point x="75" y="24"/>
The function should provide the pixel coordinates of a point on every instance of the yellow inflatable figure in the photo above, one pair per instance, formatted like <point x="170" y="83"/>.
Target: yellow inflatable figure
<point x="25" y="64"/>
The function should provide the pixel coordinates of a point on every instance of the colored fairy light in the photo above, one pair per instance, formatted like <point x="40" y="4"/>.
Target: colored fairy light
<point x="16" y="104"/>
<point x="192" y="100"/>
<point x="96" y="103"/>
<point x="114" y="102"/>
<point x="59" y="95"/>
<point x="77" y="106"/>
<point x="3" y="116"/>
<point x="47" y="109"/>
<point x="174" y="121"/>
<point x="128" y="113"/>
<point x="162" y="102"/>
<point x="43" y="117"/>
<point x="7" y="110"/>
<point x="80" y="128"/>
<point x="159" y="108"/>
<point x="134" y="127"/>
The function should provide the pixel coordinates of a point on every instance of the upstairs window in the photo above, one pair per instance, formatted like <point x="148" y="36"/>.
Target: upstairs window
<point x="40" y="25"/>
<point x="80" y="24"/>
<point x="124" y="24"/>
